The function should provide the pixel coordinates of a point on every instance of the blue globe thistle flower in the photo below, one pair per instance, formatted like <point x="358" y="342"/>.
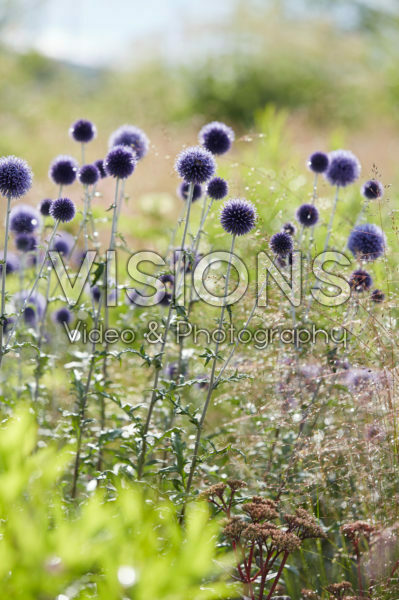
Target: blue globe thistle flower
<point x="307" y="215"/>
<point x="195" y="165"/>
<point x="63" y="243"/>
<point x="24" y="219"/>
<point x="83" y="131"/>
<point x="238" y="216"/>
<point x="88" y="174"/>
<point x="377" y="296"/>
<point x="289" y="228"/>
<point x="96" y="293"/>
<point x="372" y="189"/>
<point x="318" y="162"/>
<point x="62" y="315"/>
<point x="34" y="309"/>
<point x="182" y="191"/>
<point x="15" y="177"/>
<point x="25" y="242"/>
<point x="281" y="243"/>
<point x="217" y="188"/>
<point x="216" y="137"/>
<point x="63" y="170"/>
<point x="367" y="242"/>
<point x="163" y="298"/>
<point x="171" y="370"/>
<point x="12" y="264"/>
<point x="360" y="281"/>
<point x="63" y="209"/>
<point x="100" y="166"/>
<point x="167" y="278"/>
<point x="131" y="136"/>
<point x="343" y="169"/>
<point x="120" y="162"/>
<point x="44" y="207"/>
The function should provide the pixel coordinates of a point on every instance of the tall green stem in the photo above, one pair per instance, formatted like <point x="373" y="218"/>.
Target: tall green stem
<point x="212" y="378"/>
<point x="3" y="278"/>
<point x="154" y="395"/>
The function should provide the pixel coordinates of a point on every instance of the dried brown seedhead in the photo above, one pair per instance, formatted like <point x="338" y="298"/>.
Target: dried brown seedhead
<point x="304" y="525"/>
<point x="354" y="531"/>
<point x="337" y="590"/>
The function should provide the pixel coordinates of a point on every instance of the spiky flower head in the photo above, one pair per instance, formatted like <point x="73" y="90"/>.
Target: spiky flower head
<point x="131" y="136"/>
<point x="12" y="264"/>
<point x="63" y="209"/>
<point x="35" y="306"/>
<point x="25" y="242"/>
<point x="95" y="291"/>
<point x="100" y="166"/>
<point x="289" y="228"/>
<point x="318" y="162"/>
<point x="373" y="189"/>
<point x="183" y="189"/>
<point x="377" y="296"/>
<point x="120" y="162"/>
<point x="62" y="315"/>
<point x="15" y="177"/>
<point x="360" y="281"/>
<point x="281" y="243"/>
<point x="83" y="131"/>
<point x="63" y="170"/>
<point x="217" y="188"/>
<point x="63" y="243"/>
<point x="343" y="169"/>
<point x="88" y="174"/>
<point x="367" y="242"/>
<point x="307" y="215"/>
<point x="195" y="165"/>
<point x="44" y="207"/>
<point x="216" y="137"/>
<point x="24" y="219"/>
<point x="238" y="216"/>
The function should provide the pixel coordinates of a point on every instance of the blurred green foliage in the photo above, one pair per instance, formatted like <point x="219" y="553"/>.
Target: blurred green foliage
<point x="115" y="545"/>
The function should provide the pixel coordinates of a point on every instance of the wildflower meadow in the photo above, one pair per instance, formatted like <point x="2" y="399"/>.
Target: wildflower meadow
<point x="198" y="357"/>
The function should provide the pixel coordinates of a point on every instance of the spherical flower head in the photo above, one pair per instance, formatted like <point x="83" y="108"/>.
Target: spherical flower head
<point x="24" y="219"/>
<point x="373" y="189"/>
<point x="25" y="242"/>
<point x="88" y="174"/>
<point x="238" y="216"/>
<point x="34" y="309"/>
<point x="83" y="131"/>
<point x="195" y="165"/>
<point x="63" y="170"/>
<point x="367" y="242"/>
<point x="96" y="293"/>
<point x="63" y="209"/>
<point x="216" y="137"/>
<point x="120" y="162"/>
<point x="217" y="188"/>
<point x="63" y="243"/>
<point x="343" y="169"/>
<point x="133" y="137"/>
<point x="318" y="162"/>
<point x="100" y="166"/>
<point x="377" y="296"/>
<point x="289" y="228"/>
<point x="62" y="315"/>
<point x="183" y="188"/>
<point x="360" y="281"/>
<point x="281" y="243"/>
<point x="15" y="177"/>
<point x="307" y="215"/>
<point x="12" y="264"/>
<point x="44" y="207"/>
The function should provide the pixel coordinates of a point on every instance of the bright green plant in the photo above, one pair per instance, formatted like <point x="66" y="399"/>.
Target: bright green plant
<point x="112" y="547"/>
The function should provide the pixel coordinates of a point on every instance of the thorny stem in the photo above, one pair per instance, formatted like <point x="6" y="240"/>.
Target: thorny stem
<point x="211" y="381"/>
<point x="154" y="395"/>
<point x="3" y="278"/>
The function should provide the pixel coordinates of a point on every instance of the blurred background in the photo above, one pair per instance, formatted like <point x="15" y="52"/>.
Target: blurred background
<point x="169" y="67"/>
